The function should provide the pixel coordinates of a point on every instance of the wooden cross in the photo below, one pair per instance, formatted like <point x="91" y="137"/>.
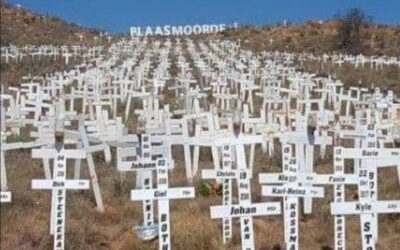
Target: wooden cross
<point x="59" y="185"/>
<point x="245" y="210"/>
<point x="291" y="190"/>
<point x="368" y="206"/>
<point x="227" y="175"/>
<point x="163" y="194"/>
<point x="304" y="144"/>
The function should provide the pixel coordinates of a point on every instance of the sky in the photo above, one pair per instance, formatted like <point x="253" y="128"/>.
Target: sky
<point x="119" y="15"/>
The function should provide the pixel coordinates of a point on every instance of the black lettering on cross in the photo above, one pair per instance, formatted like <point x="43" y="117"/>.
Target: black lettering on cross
<point x="164" y="227"/>
<point x="163" y="217"/>
<point x="59" y="236"/>
<point x="164" y="237"/>
<point x="368" y="238"/>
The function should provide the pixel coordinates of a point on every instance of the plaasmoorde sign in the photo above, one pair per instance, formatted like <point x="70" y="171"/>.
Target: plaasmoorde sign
<point x="182" y="30"/>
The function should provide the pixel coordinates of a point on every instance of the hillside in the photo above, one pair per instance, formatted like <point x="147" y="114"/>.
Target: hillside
<point x="319" y="38"/>
<point x="315" y="37"/>
<point x="25" y="221"/>
<point x="21" y="27"/>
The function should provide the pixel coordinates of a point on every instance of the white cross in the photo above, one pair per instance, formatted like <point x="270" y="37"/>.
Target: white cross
<point x="59" y="185"/>
<point x="163" y="194"/>
<point x="245" y="210"/>
<point x="291" y="190"/>
<point x="226" y="174"/>
<point x="368" y="207"/>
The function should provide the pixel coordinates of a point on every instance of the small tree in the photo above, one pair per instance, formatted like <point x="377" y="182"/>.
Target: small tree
<point x="349" y="30"/>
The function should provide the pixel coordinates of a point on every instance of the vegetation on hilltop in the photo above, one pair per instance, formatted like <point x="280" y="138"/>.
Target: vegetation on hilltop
<point x="350" y="32"/>
<point x="21" y="27"/>
<point x="25" y="221"/>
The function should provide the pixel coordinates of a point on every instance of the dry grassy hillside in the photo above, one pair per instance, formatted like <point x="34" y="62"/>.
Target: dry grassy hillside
<point x="21" y="27"/>
<point x="316" y="38"/>
<point x="24" y="223"/>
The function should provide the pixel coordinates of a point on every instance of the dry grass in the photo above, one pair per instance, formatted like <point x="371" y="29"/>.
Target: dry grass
<point x="316" y="38"/>
<point x="25" y="221"/>
<point x="12" y="73"/>
<point x="21" y="27"/>
<point x="387" y="78"/>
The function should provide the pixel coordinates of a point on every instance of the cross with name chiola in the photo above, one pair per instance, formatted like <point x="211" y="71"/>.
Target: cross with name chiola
<point x="245" y="210"/>
<point x="227" y="174"/>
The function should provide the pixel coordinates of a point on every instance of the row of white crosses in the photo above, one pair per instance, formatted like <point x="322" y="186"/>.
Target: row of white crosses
<point x="59" y="183"/>
<point x="232" y="76"/>
<point x="374" y="62"/>
<point x="328" y="179"/>
<point x="31" y="105"/>
<point x="322" y="180"/>
<point x="365" y="178"/>
<point x="48" y="51"/>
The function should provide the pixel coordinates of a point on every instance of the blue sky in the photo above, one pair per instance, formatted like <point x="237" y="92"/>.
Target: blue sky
<point x="119" y="15"/>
